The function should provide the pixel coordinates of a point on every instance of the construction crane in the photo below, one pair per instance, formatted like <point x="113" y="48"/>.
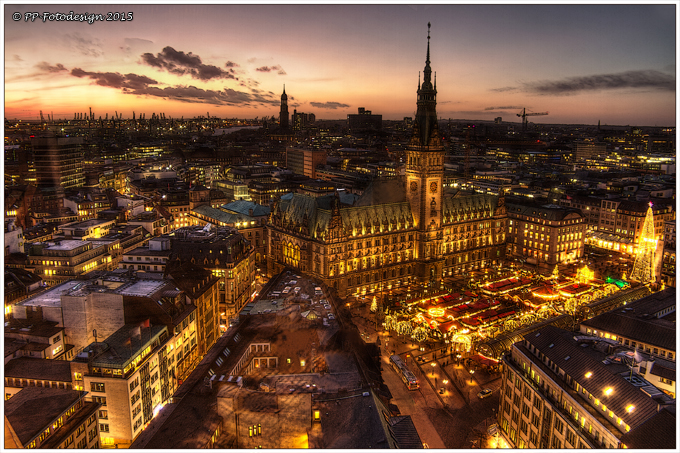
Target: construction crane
<point x="524" y="115"/>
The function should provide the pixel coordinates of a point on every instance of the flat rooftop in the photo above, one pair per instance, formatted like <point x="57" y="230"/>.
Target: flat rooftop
<point x="142" y="288"/>
<point x="86" y="223"/>
<point x="51" y="297"/>
<point x="65" y="244"/>
<point x="118" y="350"/>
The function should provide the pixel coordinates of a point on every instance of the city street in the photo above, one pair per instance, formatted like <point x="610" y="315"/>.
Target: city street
<point x="447" y="418"/>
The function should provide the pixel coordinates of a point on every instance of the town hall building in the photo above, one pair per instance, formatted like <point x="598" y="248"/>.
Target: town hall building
<point x="400" y="231"/>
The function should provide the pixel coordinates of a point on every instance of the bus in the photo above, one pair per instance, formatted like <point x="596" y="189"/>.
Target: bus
<point x="402" y="370"/>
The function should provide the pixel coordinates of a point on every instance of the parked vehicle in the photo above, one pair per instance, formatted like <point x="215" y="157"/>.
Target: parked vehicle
<point x="484" y="393"/>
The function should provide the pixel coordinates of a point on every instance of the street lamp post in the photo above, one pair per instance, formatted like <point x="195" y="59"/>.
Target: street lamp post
<point x="471" y="373"/>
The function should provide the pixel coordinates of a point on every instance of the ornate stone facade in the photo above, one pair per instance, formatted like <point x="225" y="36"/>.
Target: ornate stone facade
<point x="400" y="231"/>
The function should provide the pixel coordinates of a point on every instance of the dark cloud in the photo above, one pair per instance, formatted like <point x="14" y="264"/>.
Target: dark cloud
<point x="45" y="67"/>
<point x="180" y="63"/>
<point x="231" y="64"/>
<point x="510" y="107"/>
<point x="503" y="89"/>
<point x="649" y="79"/>
<point x="329" y="105"/>
<point x="192" y="94"/>
<point x="115" y="79"/>
<point x="279" y="70"/>
<point x="141" y="85"/>
<point x="630" y="79"/>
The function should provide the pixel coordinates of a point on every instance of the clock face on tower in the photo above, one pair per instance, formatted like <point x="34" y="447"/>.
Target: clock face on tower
<point x="414" y="186"/>
<point x="433" y="187"/>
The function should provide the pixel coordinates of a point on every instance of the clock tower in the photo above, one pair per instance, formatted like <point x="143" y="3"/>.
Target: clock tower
<point x="425" y="169"/>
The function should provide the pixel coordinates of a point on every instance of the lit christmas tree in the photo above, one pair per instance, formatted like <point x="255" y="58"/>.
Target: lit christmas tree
<point x="643" y="269"/>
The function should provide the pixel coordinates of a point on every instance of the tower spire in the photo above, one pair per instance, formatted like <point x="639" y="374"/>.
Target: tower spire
<point x="427" y="61"/>
<point x="425" y="131"/>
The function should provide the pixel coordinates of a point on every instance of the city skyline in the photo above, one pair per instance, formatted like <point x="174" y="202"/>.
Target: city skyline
<point x="581" y="63"/>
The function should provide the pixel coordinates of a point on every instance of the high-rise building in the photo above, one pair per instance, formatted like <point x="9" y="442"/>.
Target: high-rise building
<point x="586" y="150"/>
<point x="364" y="120"/>
<point x="283" y="114"/>
<point x="58" y="162"/>
<point x="301" y="120"/>
<point x="304" y="161"/>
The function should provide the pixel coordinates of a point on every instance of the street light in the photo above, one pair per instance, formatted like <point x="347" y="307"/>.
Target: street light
<point x="433" y="365"/>
<point x="471" y="373"/>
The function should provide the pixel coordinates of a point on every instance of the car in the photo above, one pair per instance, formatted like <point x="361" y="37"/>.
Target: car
<point x="331" y="316"/>
<point x="484" y="394"/>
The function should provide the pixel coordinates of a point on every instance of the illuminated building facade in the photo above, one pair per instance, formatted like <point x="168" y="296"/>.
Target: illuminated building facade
<point x="250" y="219"/>
<point x="86" y="206"/>
<point x="61" y="260"/>
<point x="58" y="162"/>
<point x="545" y="234"/>
<point x="125" y="374"/>
<point x="227" y="254"/>
<point x="558" y="393"/>
<point x="401" y="230"/>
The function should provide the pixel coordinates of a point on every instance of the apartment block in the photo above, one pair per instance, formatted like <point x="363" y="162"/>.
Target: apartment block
<point x="125" y="374"/>
<point x="51" y="418"/>
<point x="565" y="391"/>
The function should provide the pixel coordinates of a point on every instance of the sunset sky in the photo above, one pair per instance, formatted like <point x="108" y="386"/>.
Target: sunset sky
<point x="581" y="63"/>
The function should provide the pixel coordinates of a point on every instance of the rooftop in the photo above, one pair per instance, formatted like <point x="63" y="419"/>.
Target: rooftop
<point x="560" y="347"/>
<point x="65" y="244"/>
<point x="142" y="288"/>
<point x="638" y="321"/>
<point x="51" y="297"/>
<point x="656" y="433"/>
<point x="121" y="347"/>
<point x="33" y="409"/>
<point x="40" y="369"/>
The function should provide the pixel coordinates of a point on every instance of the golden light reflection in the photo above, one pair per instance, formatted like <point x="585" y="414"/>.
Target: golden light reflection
<point x="301" y="441"/>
